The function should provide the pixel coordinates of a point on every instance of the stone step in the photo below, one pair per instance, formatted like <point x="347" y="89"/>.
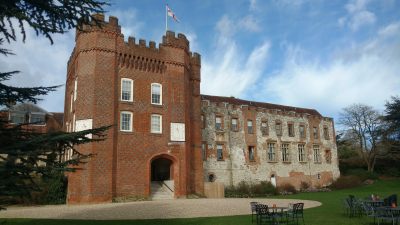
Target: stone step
<point x="160" y="192"/>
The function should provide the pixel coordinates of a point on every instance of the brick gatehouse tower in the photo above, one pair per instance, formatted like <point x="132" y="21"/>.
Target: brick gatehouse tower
<point x="152" y="96"/>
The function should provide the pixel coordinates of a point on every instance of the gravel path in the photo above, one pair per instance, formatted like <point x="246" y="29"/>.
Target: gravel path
<point x="181" y="208"/>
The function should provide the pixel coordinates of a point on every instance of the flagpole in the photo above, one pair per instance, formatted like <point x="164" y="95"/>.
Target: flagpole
<point x="166" y="18"/>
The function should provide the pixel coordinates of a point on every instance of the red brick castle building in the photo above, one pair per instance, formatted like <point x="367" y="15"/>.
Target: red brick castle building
<point x="165" y="130"/>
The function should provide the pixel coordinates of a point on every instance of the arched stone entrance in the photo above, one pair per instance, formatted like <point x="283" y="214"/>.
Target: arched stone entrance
<point x="162" y="177"/>
<point x="161" y="169"/>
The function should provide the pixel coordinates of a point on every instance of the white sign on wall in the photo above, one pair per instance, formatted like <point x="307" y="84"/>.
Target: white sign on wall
<point x="177" y="132"/>
<point x="81" y="125"/>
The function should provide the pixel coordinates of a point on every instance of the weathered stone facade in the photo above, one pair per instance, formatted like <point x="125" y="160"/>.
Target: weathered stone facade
<point x="152" y="97"/>
<point x="316" y="168"/>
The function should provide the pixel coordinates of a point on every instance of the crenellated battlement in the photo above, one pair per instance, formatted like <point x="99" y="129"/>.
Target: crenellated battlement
<point x="99" y="23"/>
<point x="131" y="43"/>
<point x="195" y="58"/>
<point x="179" y="41"/>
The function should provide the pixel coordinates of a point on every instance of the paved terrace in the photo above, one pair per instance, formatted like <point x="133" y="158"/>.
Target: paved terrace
<point x="181" y="208"/>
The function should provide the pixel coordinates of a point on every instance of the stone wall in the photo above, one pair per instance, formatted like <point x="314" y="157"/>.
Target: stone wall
<point x="236" y="165"/>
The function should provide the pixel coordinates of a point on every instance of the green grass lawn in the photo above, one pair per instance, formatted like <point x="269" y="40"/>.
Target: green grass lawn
<point x="330" y="213"/>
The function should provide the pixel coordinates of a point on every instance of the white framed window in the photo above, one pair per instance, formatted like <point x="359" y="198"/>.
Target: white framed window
<point x="156" y="94"/>
<point x="126" y="89"/>
<point x="75" y="88"/>
<point x="37" y="118"/>
<point x="156" y="124"/>
<point x="285" y="153"/>
<point x="126" y="121"/>
<point x="302" y="153"/>
<point x="317" y="156"/>
<point x="218" y="123"/>
<point x="17" y="117"/>
<point x="234" y="124"/>
<point x="271" y="151"/>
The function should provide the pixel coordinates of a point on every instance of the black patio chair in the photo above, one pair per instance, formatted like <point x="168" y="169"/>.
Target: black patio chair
<point x="369" y="210"/>
<point x="293" y="215"/>
<point x="385" y="214"/>
<point x="264" y="216"/>
<point x="253" y="210"/>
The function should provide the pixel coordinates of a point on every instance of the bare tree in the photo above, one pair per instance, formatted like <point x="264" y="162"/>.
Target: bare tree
<point x="363" y="125"/>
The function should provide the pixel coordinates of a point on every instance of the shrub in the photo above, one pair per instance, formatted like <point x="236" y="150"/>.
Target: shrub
<point x="304" y="185"/>
<point x="287" y="189"/>
<point x="244" y="190"/>
<point x="362" y="174"/>
<point x="346" y="182"/>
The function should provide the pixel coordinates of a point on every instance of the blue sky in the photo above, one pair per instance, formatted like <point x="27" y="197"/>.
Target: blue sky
<point x="307" y="53"/>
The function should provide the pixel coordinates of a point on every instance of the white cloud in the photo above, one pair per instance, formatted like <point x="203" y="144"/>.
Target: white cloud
<point x="357" y="15"/>
<point x="390" y="30"/>
<point x="249" y="23"/>
<point x="228" y="27"/>
<point x="366" y="73"/>
<point x="228" y="71"/>
<point x="253" y="5"/>
<point x="361" y="18"/>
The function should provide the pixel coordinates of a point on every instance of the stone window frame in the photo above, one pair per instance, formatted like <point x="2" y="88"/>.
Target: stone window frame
<point x="71" y="101"/>
<point x="290" y="126"/>
<point x="152" y="92"/>
<point x="251" y="149"/>
<point x="328" y="156"/>
<point x="315" y="133"/>
<point x="130" y="90"/>
<point x="250" y="129"/>
<point x="302" y="152"/>
<point x="304" y="133"/>
<point x="120" y="123"/>
<point x="75" y="88"/>
<point x="222" y="158"/>
<point x="326" y="132"/>
<point x="204" y="150"/>
<point x="74" y="121"/>
<point x="237" y="124"/>
<point x="285" y="154"/>
<point x="203" y="121"/>
<point x="317" y="154"/>
<point x="271" y="155"/>
<point x="217" y="115"/>
<point x="278" y="132"/>
<point x="160" y="124"/>
<point x="264" y="129"/>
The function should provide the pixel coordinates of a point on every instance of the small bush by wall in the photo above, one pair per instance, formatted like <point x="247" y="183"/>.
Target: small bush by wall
<point x="287" y="189"/>
<point x="246" y="190"/>
<point x="346" y="182"/>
